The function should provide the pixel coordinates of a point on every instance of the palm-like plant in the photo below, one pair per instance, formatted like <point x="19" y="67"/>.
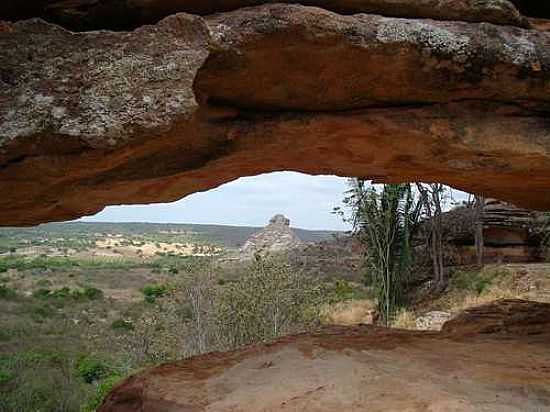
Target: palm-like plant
<point x="385" y="219"/>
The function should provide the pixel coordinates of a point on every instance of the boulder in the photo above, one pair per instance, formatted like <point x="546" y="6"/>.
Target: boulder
<point x="514" y="317"/>
<point x="432" y="320"/>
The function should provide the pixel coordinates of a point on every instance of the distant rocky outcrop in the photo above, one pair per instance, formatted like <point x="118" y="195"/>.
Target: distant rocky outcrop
<point x="277" y="236"/>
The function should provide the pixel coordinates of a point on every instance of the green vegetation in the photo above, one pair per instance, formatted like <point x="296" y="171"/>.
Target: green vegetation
<point x="271" y="299"/>
<point x="342" y="291"/>
<point x="75" y="324"/>
<point x="475" y="281"/>
<point x="385" y="220"/>
<point x="46" y="263"/>
<point x="88" y="293"/>
<point x="40" y="381"/>
<point x="91" y="369"/>
<point x="102" y="389"/>
<point x="153" y="292"/>
<point x="122" y="325"/>
<point x="7" y="293"/>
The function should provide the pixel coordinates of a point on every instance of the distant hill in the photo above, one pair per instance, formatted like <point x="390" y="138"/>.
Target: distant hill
<point x="227" y="236"/>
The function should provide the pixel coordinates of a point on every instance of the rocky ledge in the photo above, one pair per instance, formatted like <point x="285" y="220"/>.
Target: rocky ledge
<point x="96" y="118"/>
<point x="365" y="368"/>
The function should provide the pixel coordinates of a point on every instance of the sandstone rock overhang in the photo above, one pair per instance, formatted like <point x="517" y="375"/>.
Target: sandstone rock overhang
<point x="81" y="15"/>
<point x="97" y="118"/>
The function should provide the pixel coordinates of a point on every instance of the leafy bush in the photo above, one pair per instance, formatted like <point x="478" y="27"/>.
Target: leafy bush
<point x="343" y="290"/>
<point x="477" y="282"/>
<point x="41" y="312"/>
<point x="122" y="325"/>
<point x="6" y="292"/>
<point x="6" y="376"/>
<point x="43" y="283"/>
<point x="62" y="293"/>
<point x="39" y="381"/>
<point x="41" y="293"/>
<point x="102" y="390"/>
<point x="270" y="300"/>
<point x="88" y="293"/>
<point x="91" y="369"/>
<point x="153" y="292"/>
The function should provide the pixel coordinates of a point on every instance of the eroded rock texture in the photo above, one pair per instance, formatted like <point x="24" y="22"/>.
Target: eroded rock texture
<point x="493" y="369"/>
<point x="127" y="14"/>
<point x="96" y="118"/>
<point x="276" y="237"/>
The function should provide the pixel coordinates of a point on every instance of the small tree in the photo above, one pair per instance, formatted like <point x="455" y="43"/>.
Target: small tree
<point x="432" y="196"/>
<point x="479" y="207"/>
<point x="385" y="221"/>
<point x="269" y="300"/>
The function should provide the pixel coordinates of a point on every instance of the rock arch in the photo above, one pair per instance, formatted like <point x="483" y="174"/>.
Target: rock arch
<point x="97" y="118"/>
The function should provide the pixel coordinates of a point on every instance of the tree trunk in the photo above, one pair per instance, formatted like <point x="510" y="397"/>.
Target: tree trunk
<point x="479" y="206"/>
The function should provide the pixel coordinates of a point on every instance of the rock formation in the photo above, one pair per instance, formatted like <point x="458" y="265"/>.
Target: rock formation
<point x="276" y="237"/>
<point x="463" y="369"/>
<point x="127" y="14"/>
<point x="433" y="320"/>
<point x="510" y="234"/>
<point x="183" y="105"/>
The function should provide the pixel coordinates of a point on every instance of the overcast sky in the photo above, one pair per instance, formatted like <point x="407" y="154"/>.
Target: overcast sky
<point x="306" y="200"/>
<point x="251" y="201"/>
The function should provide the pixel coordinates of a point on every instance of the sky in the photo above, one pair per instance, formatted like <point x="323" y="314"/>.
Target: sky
<point x="251" y="201"/>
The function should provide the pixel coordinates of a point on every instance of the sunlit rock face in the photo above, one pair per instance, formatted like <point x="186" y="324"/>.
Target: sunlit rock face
<point x="97" y="118"/>
<point x="276" y="237"/>
<point x="492" y="358"/>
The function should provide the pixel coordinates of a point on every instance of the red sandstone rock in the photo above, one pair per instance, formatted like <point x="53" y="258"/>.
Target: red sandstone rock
<point x="98" y="118"/>
<point x="364" y="368"/>
<point x="127" y="14"/>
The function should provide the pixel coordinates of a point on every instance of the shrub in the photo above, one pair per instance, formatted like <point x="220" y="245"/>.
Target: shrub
<point x="62" y="293"/>
<point x="41" y="312"/>
<point x="41" y="293"/>
<point x="65" y="292"/>
<point x="122" y="325"/>
<point x="91" y="369"/>
<point x="6" y="376"/>
<point x="152" y="292"/>
<point x="102" y="390"/>
<point x="39" y="381"/>
<point x="7" y="293"/>
<point x="43" y="283"/>
<point x="270" y="300"/>
<point x="477" y="282"/>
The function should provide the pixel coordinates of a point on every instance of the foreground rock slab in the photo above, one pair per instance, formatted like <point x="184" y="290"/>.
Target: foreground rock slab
<point x="98" y="118"/>
<point x="357" y="369"/>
